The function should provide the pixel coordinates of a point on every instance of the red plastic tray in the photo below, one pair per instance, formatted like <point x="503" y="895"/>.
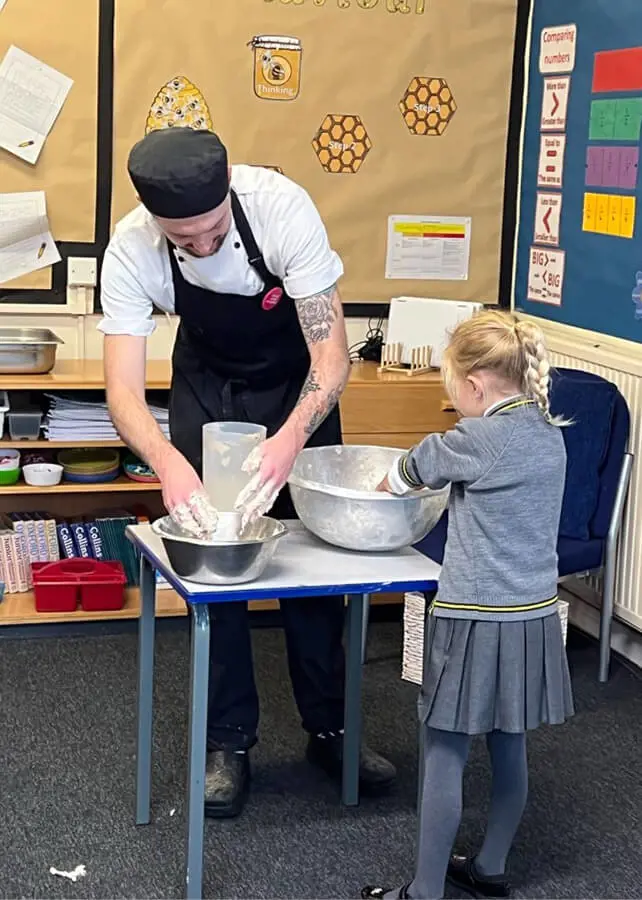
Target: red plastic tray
<point x="95" y="584"/>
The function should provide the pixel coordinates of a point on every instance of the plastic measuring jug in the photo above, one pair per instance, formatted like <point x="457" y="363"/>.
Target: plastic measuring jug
<point x="226" y="446"/>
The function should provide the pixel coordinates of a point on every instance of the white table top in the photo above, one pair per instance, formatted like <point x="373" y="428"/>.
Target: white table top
<point x="303" y="566"/>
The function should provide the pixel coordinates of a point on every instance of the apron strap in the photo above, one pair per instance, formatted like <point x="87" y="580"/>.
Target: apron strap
<point x="254" y="255"/>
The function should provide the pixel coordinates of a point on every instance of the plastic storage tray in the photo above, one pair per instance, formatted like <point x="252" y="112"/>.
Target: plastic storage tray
<point x="24" y="425"/>
<point x="95" y="584"/>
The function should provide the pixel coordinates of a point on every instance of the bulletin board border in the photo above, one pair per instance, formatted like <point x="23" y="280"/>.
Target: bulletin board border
<point x="510" y="215"/>
<point x="104" y="177"/>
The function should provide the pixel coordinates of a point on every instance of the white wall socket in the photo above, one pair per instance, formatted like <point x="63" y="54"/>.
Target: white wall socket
<point x="81" y="271"/>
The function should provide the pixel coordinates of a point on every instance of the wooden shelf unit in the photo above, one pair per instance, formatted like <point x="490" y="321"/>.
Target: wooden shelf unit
<point x="83" y="375"/>
<point x="20" y="609"/>
<point x="118" y="486"/>
<point x="384" y="409"/>
<point x="41" y="444"/>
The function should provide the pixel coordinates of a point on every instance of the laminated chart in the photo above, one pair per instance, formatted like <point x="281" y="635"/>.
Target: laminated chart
<point x="613" y="154"/>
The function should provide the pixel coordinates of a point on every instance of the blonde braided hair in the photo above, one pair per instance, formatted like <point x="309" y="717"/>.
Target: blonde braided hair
<point x="514" y="350"/>
<point x="536" y="377"/>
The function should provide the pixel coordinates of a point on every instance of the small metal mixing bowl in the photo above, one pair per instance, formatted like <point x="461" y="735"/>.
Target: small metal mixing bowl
<point x="220" y="562"/>
<point x="334" y="493"/>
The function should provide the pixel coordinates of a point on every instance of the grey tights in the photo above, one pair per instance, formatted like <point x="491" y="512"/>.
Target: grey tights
<point x="445" y="756"/>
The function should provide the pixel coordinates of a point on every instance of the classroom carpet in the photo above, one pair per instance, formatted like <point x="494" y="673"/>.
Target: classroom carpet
<point x="67" y="727"/>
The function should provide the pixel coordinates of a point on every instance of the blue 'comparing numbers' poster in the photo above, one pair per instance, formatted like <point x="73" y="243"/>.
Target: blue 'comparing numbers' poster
<point x="579" y="258"/>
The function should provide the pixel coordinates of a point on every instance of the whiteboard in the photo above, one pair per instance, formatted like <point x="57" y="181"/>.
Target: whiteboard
<point x="424" y="321"/>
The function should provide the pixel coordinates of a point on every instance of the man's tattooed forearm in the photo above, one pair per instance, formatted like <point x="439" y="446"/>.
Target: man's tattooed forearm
<point x="317" y="315"/>
<point x="321" y="413"/>
<point x="310" y="385"/>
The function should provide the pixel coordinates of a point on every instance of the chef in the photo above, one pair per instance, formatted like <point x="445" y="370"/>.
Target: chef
<point x="241" y="256"/>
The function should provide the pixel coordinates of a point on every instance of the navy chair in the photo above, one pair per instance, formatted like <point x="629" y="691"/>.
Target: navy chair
<point x="597" y="480"/>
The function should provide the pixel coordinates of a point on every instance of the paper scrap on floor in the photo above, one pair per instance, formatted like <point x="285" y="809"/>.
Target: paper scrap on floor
<point x="31" y="97"/>
<point x="79" y="872"/>
<point x="26" y="243"/>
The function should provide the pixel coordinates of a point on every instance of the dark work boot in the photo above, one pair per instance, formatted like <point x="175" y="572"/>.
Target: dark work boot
<point x="325" y="750"/>
<point x="227" y="783"/>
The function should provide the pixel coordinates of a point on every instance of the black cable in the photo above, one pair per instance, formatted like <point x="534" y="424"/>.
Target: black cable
<point x="370" y="349"/>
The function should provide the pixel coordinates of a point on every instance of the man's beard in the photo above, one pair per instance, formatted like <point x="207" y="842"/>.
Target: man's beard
<point x="217" y="246"/>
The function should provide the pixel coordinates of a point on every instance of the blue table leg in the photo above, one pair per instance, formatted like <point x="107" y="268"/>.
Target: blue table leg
<point x="197" y="751"/>
<point x="146" y="627"/>
<point x="352" y="714"/>
<point x="364" y="629"/>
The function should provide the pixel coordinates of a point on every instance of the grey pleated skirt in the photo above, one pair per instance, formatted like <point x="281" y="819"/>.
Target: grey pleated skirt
<point x="495" y="676"/>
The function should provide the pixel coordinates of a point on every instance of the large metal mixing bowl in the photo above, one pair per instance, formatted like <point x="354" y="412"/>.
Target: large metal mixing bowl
<point x="333" y="491"/>
<point x="221" y="562"/>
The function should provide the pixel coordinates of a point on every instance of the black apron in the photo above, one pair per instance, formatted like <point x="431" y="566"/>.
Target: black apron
<point x="238" y="358"/>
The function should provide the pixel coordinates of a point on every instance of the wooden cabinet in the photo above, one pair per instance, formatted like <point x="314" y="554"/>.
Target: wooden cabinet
<point x="391" y="410"/>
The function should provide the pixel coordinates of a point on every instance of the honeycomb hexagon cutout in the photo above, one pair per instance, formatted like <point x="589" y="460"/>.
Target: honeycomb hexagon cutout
<point x="428" y="106"/>
<point x="341" y="144"/>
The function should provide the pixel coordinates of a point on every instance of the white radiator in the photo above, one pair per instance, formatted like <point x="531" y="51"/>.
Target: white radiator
<point x="628" y="378"/>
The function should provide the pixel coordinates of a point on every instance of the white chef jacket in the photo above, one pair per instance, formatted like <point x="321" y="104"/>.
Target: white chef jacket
<point x="136" y="273"/>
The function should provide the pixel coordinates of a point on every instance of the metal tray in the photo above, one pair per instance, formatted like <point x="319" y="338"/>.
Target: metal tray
<point x="27" y="351"/>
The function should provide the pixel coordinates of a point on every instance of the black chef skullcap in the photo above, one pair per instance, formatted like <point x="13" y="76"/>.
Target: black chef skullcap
<point x="179" y="172"/>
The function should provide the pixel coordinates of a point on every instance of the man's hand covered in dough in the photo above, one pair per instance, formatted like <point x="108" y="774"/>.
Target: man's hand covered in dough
<point x="197" y="517"/>
<point x="270" y="465"/>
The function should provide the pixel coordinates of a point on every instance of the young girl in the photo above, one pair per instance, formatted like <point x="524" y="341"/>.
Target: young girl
<point x="496" y="660"/>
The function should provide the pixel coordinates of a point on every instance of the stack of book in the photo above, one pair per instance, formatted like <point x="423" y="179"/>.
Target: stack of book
<point x="100" y="535"/>
<point x="31" y="537"/>
<point x="15" y="569"/>
<point x="85" y="416"/>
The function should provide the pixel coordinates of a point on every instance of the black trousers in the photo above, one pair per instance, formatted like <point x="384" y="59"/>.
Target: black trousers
<point x="313" y="633"/>
<point x="313" y="626"/>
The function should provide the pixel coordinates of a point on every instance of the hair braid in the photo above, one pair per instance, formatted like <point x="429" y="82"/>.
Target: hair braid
<point x="512" y="349"/>
<point x="537" y="368"/>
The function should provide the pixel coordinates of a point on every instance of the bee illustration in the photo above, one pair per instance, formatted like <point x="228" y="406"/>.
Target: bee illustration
<point x="179" y="102"/>
<point x="273" y="68"/>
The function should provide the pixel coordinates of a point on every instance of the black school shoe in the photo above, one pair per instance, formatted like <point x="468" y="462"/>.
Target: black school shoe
<point x="376" y="774"/>
<point x="369" y="892"/>
<point x="463" y="874"/>
<point x="227" y="783"/>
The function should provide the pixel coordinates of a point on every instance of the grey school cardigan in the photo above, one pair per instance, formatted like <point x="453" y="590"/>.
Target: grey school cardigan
<point x="507" y="474"/>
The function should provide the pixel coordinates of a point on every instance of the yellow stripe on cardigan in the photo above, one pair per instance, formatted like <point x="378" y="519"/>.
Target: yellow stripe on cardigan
<point x="404" y="471"/>
<point x="471" y="607"/>
<point x="515" y="405"/>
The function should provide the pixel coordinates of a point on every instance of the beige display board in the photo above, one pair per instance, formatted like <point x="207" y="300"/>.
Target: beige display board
<point x="64" y="35"/>
<point x="376" y="107"/>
